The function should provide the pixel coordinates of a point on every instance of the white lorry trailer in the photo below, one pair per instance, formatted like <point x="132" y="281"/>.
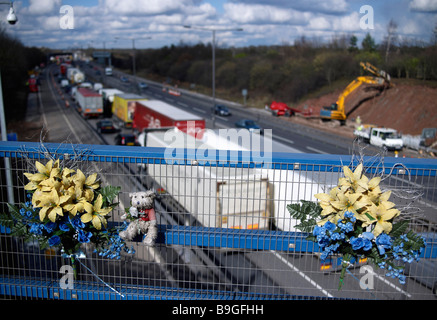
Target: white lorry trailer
<point x="89" y="102"/>
<point x="230" y="197"/>
<point x="380" y="137"/>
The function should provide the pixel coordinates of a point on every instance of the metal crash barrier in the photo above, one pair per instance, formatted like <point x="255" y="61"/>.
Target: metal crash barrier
<point x="224" y="231"/>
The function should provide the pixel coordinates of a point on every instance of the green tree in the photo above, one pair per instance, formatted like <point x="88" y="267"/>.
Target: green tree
<point x="368" y="43"/>
<point x="353" y="44"/>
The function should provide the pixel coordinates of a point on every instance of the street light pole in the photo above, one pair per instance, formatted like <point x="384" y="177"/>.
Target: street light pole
<point x="213" y="62"/>
<point x="133" y="52"/>
<point x="12" y="19"/>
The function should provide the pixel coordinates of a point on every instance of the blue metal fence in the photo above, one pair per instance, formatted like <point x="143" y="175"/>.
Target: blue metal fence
<point x="192" y="260"/>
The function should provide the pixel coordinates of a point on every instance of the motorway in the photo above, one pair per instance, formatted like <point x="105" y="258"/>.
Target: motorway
<point x="267" y="271"/>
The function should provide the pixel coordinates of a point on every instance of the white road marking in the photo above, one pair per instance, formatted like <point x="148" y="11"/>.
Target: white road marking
<point x="199" y="110"/>
<point x="284" y="139"/>
<point x="303" y="275"/>
<point x="316" y="150"/>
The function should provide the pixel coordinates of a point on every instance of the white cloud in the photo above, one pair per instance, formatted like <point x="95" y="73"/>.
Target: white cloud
<point x="264" y="21"/>
<point x="424" y="5"/>
<point x="321" y="6"/>
<point x="348" y="23"/>
<point x="243" y="13"/>
<point x="144" y="7"/>
<point x="320" y="23"/>
<point x="41" y="7"/>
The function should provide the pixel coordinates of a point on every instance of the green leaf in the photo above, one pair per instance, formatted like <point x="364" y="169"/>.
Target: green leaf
<point x="14" y="211"/>
<point x="109" y="193"/>
<point x="307" y="226"/>
<point x="19" y="229"/>
<point x="369" y="216"/>
<point x="301" y="211"/>
<point x="399" y="228"/>
<point x="6" y="220"/>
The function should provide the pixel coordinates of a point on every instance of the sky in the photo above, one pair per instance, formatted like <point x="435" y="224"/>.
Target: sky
<point x="157" y="23"/>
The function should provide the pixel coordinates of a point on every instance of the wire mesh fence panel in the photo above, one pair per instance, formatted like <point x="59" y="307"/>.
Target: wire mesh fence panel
<point x="224" y="229"/>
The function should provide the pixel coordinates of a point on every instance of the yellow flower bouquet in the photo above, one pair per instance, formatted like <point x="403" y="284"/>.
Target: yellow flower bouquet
<point x="66" y="209"/>
<point x="356" y="220"/>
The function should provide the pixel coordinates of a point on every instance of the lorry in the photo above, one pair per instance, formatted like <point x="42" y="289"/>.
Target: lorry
<point x="75" y="76"/>
<point x="380" y="137"/>
<point x="123" y="108"/>
<point x="230" y="197"/>
<point x="108" y="99"/>
<point x="63" y="68"/>
<point x="90" y="103"/>
<point x="216" y="196"/>
<point x="159" y="114"/>
<point x="33" y="84"/>
<point x="281" y="109"/>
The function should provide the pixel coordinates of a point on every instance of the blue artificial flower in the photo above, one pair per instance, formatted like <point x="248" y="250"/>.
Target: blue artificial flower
<point x="22" y="211"/>
<point x="346" y="227"/>
<point x="348" y="214"/>
<point x="337" y="236"/>
<point x="29" y="214"/>
<point x="36" y="228"/>
<point x="50" y="226"/>
<point x="63" y="226"/>
<point x="368" y="237"/>
<point x="84" y="237"/>
<point x="402" y="279"/>
<point x="317" y="231"/>
<point x="329" y="226"/>
<point x="76" y="223"/>
<point x="367" y="244"/>
<point x="54" y="241"/>
<point x="383" y="242"/>
<point x="357" y="243"/>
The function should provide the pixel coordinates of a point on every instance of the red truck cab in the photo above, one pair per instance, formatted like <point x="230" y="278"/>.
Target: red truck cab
<point x="281" y="109"/>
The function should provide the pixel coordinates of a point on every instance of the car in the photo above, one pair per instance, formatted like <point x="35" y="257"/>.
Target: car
<point x="106" y="126"/>
<point x="124" y="79"/>
<point x="142" y="85"/>
<point x="126" y="139"/>
<point x="250" y="125"/>
<point x="221" y="110"/>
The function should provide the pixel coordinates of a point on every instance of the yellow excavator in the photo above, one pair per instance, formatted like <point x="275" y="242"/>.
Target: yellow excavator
<point x="336" y="110"/>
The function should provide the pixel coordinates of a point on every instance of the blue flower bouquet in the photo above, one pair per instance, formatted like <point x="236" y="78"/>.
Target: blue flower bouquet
<point x="356" y="220"/>
<point x="66" y="209"/>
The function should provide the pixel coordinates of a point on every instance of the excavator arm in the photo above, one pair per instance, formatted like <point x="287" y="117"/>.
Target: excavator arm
<point x="336" y="110"/>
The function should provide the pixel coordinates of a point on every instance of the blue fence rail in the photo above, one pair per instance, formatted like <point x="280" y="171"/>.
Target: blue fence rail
<point x="192" y="260"/>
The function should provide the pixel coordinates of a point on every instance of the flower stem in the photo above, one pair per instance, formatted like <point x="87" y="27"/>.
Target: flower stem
<point x="344" y="266"/>
<point x="73" y="264"/>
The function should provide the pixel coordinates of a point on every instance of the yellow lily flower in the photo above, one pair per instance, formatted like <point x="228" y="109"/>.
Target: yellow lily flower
<point x="354" y="180"/>
<point x="383" y="200"/>
<point x="50" y="204"/>
<point x="353" y="202"/>
<point x="97" y="214"/>
<point x="49" y="170"/>
<point x="79" y="207"/>
<point x="82" y="183"/>
<point x="67" y="179"/>
<point x="373" y="191"/>
<point x="49" y="184"/>
<point x="382" y="217"/>
<point x="326" y="199"/>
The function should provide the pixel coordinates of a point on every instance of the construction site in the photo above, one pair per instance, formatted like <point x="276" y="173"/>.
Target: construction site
<point x="377" y="101"/>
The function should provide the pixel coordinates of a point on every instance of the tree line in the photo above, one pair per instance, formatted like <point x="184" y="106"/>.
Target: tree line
<point x="15" y="62"/>
<point x="283" y="72"/>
